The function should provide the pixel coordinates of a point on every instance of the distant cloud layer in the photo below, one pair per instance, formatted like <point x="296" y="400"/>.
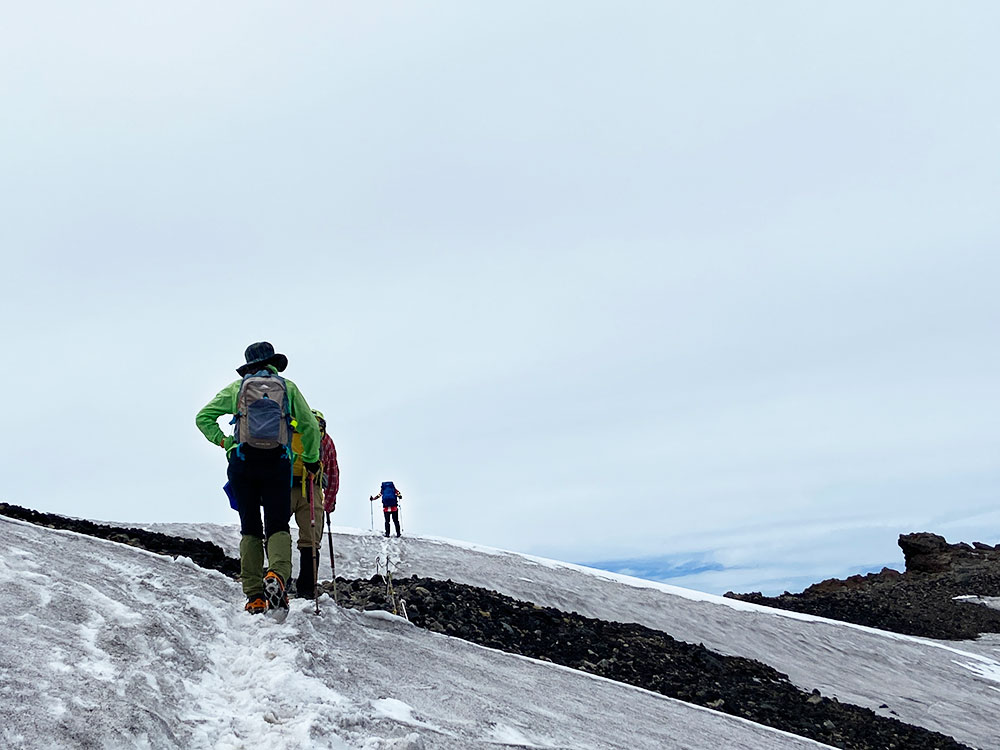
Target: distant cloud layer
<point x="587" y="282"/>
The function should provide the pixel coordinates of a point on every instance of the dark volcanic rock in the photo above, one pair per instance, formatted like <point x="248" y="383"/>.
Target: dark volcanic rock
<point x="920" y="601"/>
<point x="637" y="655"/>
<point x="930" y="553"/>
<point x="925" y="552"/>
<point x="203" y="554"/>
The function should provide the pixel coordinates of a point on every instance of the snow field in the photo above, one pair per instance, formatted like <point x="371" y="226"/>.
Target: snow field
<point x="948" y="687"/>
<point x="145" y="651"/>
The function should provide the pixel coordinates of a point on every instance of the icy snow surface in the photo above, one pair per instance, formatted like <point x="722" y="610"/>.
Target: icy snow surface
<point x="110" y="646"/>
<point x="946" y="686"/>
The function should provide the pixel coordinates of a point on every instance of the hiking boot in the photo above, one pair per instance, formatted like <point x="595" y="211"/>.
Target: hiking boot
<point x="306" y="581"/>
<point x="274" y="591"/>
<point x="387" y="533"/>
<point x="256" y="604"/>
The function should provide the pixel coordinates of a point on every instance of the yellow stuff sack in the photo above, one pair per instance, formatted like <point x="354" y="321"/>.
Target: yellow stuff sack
<point x="297" y="451"/>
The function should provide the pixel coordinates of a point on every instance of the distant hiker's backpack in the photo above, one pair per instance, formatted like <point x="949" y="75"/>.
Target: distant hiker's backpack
<point x="262" y="419"/>
<point x="389" y="492"/>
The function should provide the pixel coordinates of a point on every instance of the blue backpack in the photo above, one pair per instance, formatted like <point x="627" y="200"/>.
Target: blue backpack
<point x="388" y="493"/>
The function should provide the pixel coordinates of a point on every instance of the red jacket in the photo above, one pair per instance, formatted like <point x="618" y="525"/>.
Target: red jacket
<point x="331" y="473"/>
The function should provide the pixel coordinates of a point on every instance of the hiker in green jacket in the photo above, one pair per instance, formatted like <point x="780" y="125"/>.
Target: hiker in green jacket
<point x="267" y="407"/>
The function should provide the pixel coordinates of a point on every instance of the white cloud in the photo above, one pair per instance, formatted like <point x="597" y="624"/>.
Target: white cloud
<point x="583" y="281"/>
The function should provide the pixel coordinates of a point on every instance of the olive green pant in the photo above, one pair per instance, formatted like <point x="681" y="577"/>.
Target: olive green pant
<point x="300" y="509"/>
<point x="279" y="558"/>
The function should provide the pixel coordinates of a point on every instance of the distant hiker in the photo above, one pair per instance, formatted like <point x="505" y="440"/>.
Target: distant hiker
<point x="264" y="406"/>
<point x="390" y="504"/>
<point x="324" y="501"/>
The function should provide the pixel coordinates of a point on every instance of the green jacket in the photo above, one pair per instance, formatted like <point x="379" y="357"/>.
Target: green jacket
<point x="225" y="403"/>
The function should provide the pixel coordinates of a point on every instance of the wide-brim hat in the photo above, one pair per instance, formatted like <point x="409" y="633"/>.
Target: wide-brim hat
<point x="259" y="356"/>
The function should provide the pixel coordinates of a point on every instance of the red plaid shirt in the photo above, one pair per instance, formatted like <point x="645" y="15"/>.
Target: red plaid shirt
<point x="331" y="471"/>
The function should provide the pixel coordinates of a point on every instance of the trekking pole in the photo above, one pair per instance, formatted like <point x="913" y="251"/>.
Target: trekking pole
<point x="371" y="511"/>
<point x="333" y="567"/>
<point x="392" y="591"/>
<point x="312" y="541"/>
<point x="389" y="590"/>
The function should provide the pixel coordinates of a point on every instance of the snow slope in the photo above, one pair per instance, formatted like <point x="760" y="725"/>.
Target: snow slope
<point x="949" y="687"/>
<point x="108" y="646"/>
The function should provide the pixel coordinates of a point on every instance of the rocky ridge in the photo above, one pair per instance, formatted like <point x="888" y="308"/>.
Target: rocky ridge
<point x="919" y="601"/>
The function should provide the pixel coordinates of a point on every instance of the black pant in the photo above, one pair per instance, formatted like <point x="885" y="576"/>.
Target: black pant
<point x="394" y="514"/>
<point x="262" y="479"/>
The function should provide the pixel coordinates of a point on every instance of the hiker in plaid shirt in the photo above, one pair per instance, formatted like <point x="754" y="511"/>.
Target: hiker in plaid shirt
<point x="331" y="472"/>
<point x="324" y="501"/>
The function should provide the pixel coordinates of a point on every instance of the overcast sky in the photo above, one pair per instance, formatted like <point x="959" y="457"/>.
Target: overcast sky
<point x="710" y="283"/>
